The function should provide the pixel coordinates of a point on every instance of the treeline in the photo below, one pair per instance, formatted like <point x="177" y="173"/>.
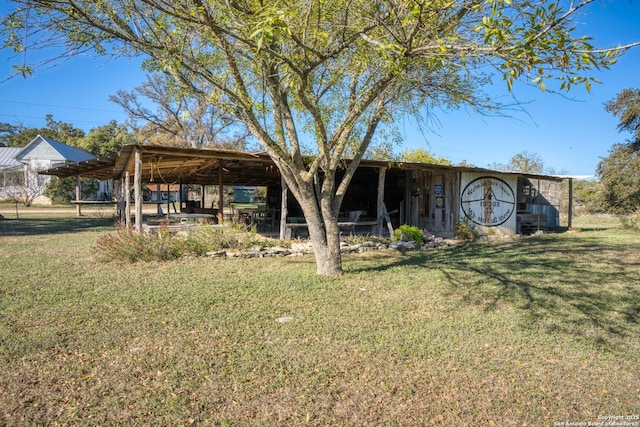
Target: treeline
<point x="98" y="141"/>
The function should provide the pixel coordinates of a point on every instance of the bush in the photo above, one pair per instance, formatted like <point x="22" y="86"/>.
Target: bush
<point x="465" y="232"/>
<point x="129" y="245"/>
<point x="631" y="221"/>
<point x="408" y="233"/>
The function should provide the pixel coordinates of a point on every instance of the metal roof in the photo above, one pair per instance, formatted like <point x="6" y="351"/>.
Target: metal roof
<point x="171" y="165"/>
<point x="8" y="157"/>
<point x="66" y="152"/>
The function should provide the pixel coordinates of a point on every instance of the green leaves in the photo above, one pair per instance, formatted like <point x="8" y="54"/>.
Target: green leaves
<point x="271" y="22"/>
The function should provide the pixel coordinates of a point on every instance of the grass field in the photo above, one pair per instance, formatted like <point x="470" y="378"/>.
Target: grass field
<point x="535" y="331"/>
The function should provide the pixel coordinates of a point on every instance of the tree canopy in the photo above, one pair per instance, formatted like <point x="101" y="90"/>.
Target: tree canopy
<point x="18" y="135"/>
<point x="420" y="155"/>
<point x="99" y="141"/>
<point x="326" y="74"/>
<point x="522" y="162"/>
<point x="161" y="113"/>
<point x="619" y="172"/>
<point x="626" y="106"/>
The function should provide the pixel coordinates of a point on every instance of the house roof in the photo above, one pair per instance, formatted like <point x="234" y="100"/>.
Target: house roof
<point x="170" y="165"/>
<point x="49" y="149"/>
<point x="8" y="157"/>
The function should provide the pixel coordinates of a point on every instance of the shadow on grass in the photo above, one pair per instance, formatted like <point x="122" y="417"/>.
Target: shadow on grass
<point x="52" y="225"/>
<point x="580" y="285"/>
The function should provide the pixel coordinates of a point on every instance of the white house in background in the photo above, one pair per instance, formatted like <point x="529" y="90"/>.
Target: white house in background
<point x="41" y="153"/>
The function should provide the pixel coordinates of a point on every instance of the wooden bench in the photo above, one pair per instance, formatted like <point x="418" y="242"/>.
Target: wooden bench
<point x="294" y="228"/>
<point x="531" y="222"/>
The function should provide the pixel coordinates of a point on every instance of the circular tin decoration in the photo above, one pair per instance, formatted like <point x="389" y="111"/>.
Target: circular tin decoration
<point x="488" y="201"/>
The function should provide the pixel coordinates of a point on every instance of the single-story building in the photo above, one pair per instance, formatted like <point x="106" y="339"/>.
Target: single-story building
<point x="429" y="196"/>
<point x="20" y="167"/>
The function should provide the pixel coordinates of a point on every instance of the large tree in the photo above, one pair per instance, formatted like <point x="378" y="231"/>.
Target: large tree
<point x="161" y="113"/>
<point x="106" y="139"/>
<point x="619" y="172"/>
<point x="323" y="72"/>
<point x="522" y="162"/>
<point x="626" y="106"/>
<point x="420" y="155"/>
<point x="17" y="135"/>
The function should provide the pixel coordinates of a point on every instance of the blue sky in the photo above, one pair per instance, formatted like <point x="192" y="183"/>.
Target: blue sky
<point x="571" y="134"/>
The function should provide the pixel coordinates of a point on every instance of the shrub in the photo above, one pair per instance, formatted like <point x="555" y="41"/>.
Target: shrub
<point x="465" y="232"/>
<point x="631" y="221"/>
<point x="131" y="246"/>
<point x="408" y="233"/>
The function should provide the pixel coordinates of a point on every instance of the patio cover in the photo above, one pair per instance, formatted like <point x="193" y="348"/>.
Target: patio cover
<point x="173" y="165"/>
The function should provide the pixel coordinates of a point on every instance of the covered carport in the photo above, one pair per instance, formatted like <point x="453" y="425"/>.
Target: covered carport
<point x="424" y="195"/>
<point x="160" y="165"/>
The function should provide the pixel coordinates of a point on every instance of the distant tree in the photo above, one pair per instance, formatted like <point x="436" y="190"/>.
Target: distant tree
<point x="64" y="189"/>
<point x="525" y="162"/>
<point x="106" y="139"/>
<point x="8" y="133"/>
<point x="626" y="106"/>
<point x="589" y="196"/>
<point x="465" y="163"/>
<point x="619" y="172"/>
<point x="162" y="114"/>
<point x="17" y="135"/>
<point x="420" y="155"/>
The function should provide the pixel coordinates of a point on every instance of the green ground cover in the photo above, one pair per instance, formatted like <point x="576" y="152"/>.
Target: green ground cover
<point x="527" y="332"/>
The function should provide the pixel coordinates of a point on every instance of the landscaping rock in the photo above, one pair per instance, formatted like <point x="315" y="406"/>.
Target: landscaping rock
<point x="217" y="254"/>
<point x="404" y="246"/>
<point x="305" y="248"/>
<point x="277" y="251"/>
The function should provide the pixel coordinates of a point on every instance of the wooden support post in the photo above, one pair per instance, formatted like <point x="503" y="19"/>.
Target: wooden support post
<point x="380" y="200"/>
<point x="388" y="219"/>
<point x="78" y="192"/>
<point x="137" y="189"/>
<point x="283" y="209"/>
<point x="117" y="194"/>
<point x="169" y="201"/>
<point x="220" y="193"/>
<point x="538" y="203"/>
<point x="158" y="199"/>
<point x="570" y="208"/>
<point x="406" y="214"/>
<point x="127" y="199"/>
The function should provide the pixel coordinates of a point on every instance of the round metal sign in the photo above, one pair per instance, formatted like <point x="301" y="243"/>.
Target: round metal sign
<point x="488" y="201"/>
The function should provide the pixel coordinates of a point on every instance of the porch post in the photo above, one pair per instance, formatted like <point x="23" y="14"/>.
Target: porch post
<point x="117" y="194"/>
<point x="408" y="178"/>
<point x="127" y="199"/>
<point x="570" y="209"/>
<point x="137" y="189"/>
<point x="220" y="193"/>
<point x="169" y="201"/>
<point x="283" y="209"/>
<point x="78" y="206"/>
<point x="380" y="201"/>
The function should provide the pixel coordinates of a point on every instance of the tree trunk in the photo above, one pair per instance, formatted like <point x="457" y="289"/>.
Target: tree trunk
<point x="326" y="248"/>
<point x="324" y="236"/>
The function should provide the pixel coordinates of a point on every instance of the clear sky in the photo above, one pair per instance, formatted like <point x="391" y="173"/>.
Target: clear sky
<point x="569" y="133"/>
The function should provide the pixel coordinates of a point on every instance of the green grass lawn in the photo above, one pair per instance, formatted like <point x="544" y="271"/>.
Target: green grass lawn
<point x="527" y="332"/>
